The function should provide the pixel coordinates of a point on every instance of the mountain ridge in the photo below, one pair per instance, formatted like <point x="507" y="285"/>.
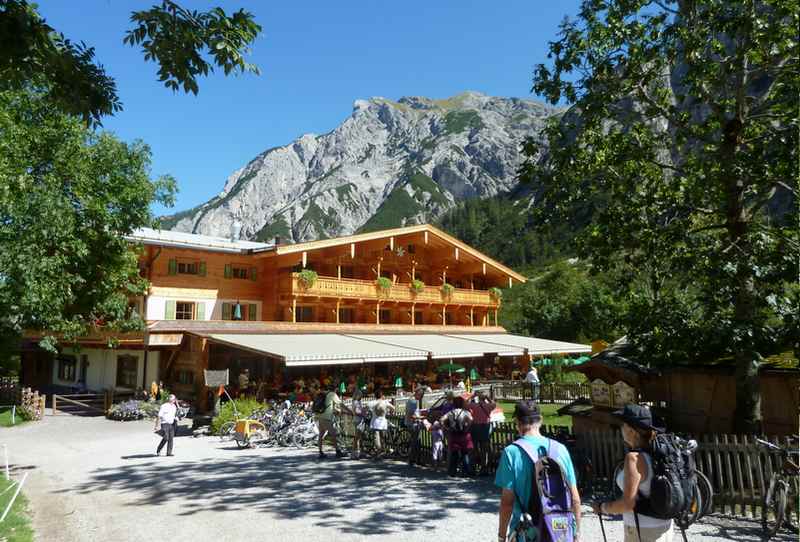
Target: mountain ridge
<point x="388" y="164"/>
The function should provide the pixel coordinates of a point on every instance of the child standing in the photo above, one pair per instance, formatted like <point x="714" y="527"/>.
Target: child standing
<point x="437" y="444"/>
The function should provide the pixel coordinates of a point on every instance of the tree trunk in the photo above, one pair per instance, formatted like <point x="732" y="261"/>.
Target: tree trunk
<point x="747" y="416"/>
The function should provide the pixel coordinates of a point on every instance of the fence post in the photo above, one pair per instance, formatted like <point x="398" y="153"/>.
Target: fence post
<point x="55" y="404"/>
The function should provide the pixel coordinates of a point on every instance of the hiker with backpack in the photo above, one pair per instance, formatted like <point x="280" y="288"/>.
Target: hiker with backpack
<point x="457" y="423"/>
<point x="326" y="407"/>
<point x="652" y="479"/>
<point x="540" y="500"/>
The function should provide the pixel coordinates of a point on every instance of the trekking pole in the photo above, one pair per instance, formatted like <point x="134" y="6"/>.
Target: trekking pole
<point x="602" y="527"/>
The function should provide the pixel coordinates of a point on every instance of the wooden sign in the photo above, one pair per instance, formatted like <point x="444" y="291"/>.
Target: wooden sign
<point x="623" y="394"/>
<point x="601" y="393"/>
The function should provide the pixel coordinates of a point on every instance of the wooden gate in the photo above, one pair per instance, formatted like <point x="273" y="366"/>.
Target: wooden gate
<point x="81" y="404"/>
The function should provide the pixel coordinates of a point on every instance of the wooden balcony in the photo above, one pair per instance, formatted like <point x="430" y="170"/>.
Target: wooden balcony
<point x="332" y="287"/>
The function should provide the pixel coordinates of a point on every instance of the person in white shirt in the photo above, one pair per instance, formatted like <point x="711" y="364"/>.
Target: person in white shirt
<point x="167" y="415"/>
<point x="532" y="378"/>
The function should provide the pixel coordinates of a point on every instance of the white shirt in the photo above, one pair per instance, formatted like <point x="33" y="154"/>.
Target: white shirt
<point x="532" y="377"/>
<point x="167" y="413"/>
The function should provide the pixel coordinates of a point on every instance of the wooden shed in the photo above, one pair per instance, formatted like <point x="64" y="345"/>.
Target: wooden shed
<point x="692" y="399"/>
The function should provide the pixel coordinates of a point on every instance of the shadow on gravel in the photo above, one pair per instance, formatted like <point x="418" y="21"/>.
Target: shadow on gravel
<point x="359" y="497"/>
<point x="726" y="528"/>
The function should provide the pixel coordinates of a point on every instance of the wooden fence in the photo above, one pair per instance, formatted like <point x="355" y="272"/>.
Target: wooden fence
<point x="738" y="468"/>
<point x="548" y="393"/>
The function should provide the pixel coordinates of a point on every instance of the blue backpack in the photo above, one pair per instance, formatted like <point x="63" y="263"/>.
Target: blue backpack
<point x="548" y="516"/>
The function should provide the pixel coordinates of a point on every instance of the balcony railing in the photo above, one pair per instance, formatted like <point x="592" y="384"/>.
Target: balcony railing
<point x="366" y="289"/>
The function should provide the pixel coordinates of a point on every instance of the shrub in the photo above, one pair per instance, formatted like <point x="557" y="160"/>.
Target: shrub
<point x="496" y="293"/>
<point x="307" y="278"/>
<point x="384" y="284"/>
<point x="417" y="286"/>
<point x="448" y="289"/>
<point x="133" y="410"/>
<point x="226" y="414"/>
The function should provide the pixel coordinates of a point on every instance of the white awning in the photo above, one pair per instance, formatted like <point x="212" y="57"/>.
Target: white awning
<point x="533" y="345"/>
<point x="320" y="349"/>
<point x="441" y="346"/>
<point x="308" y="349"/>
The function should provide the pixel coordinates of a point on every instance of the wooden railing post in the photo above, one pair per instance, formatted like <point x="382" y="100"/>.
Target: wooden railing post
<point x="55" y="404"/>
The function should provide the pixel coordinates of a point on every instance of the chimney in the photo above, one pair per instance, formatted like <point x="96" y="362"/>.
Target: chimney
<point x="236" y="230"/>
<point x="277" y="240"/>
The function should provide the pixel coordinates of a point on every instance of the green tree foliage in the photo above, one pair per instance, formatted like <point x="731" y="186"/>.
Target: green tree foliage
<point x="68" y="195"/>
<point x="683" y="136"/>
<point x="32" y="53"/>
<point x="504" y="229"/>
<point x="565" y="303"/>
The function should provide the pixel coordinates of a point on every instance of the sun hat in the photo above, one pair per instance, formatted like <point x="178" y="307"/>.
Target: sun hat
<point x="639" y="417"/>
<point x="527" y="409"/>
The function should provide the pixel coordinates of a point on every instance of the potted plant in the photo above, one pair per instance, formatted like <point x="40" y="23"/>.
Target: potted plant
<point x="496" y="293"/>
<point x="448" y="289"/>
<point x="384" y="284"/>
<point x="417" y="286"/>
<point x="307" y="278"/>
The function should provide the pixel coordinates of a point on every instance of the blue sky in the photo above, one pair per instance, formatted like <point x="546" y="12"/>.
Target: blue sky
<point x="316" y="58"/>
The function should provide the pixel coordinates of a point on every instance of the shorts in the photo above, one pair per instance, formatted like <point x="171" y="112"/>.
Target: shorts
<point x="326" y="426"/>
<point x="481" y="432"/>
<point x="657" y="534"/>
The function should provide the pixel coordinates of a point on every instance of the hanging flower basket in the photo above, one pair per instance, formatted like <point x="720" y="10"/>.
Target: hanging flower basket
<point x="384" y="284"/>
<point x="307" y="278"/>
<point x="496" y="293"/>
<point x="448" y="289"/>
<point x="417" y="286"/>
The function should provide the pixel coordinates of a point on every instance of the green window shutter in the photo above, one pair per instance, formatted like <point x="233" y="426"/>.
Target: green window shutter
<point x="226" y="311"/>
<point x="254" y="273"/>
<point x="228" y="270"/>
<point x="200" y="310"/>
<point x="169" y="311"/>
<point x="201" y="269"/>
<point x="173" y="267"/>
<point x="252" y="311"/>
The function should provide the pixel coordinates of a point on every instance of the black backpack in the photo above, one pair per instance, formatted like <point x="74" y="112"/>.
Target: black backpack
<point x="319" y="406"/>
<point x="459" y="423"/>
<point x="673" y="483"/>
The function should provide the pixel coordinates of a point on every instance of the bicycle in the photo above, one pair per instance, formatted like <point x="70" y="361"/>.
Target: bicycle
<point x="782" y="493"/>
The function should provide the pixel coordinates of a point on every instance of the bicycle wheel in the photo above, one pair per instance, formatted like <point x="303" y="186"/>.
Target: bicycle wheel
<point x="225" y="431"/>
<point x="775" y="502"/>
<point x="706" y="493"/>
<point x="694" y="511"/>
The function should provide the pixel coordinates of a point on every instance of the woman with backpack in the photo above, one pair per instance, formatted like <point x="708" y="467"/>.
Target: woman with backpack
<point x="457" y="422"/>
<point x="638" y="432"/>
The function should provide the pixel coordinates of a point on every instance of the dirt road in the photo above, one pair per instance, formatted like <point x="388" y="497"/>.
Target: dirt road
<point x="92" y="479"/>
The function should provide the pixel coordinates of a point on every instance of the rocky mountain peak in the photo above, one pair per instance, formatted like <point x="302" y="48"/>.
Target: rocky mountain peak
<point x="390" y="163"/>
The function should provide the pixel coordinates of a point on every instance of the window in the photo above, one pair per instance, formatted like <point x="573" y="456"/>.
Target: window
<point x="418" y="317"/>
<point x="184" y="311"/>
<point x="386" y="316"/>
<point x="304" y="314"/>
<point x="347" y="316"/>
<point x="127" y="367"/>
<point x="66" y="368"/>
<point x="186" y="377"/>
<point x="239" y="272"/>
<point x="187" y="268"/>
<point x="411" y="249"/>
<point x="347" y="271"/>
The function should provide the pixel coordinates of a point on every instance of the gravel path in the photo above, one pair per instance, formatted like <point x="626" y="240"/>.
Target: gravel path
<point x="92" y="479"/>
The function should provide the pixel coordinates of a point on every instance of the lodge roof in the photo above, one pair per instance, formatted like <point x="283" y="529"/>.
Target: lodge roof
<point x="179" y="239"/>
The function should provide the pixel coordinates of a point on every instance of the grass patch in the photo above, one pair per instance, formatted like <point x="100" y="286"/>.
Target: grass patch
<point x="460" y="121"/>
<point x="5" y="419"/>
<point x="17" y="525"/>
<point x="549" y="412"/>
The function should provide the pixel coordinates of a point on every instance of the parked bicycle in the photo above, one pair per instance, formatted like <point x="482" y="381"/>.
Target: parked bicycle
<point x="782" y="493"/>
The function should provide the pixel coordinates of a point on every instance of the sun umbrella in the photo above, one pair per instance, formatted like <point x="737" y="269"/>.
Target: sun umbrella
<point x="582" y="359"/>
<point x="450" y="368"/>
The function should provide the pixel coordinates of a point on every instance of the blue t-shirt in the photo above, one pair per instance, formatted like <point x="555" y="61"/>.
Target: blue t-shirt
<point x="516" y="469"/>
